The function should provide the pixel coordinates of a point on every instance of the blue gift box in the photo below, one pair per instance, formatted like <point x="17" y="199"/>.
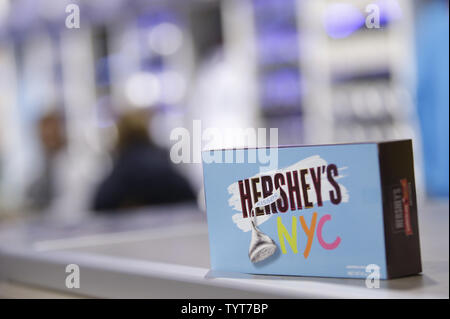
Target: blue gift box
<point x="343" y="210"/>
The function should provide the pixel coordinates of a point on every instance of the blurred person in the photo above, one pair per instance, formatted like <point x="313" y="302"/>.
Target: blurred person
<point x="51" y="133"/>
<point x="142" y="174"/>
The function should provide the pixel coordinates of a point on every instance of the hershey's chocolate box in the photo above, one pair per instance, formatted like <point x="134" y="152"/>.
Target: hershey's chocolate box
<point x="342" y="210"/>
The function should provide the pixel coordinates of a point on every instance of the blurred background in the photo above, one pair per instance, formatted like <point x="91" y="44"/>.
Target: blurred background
<point x="86" y="113"/>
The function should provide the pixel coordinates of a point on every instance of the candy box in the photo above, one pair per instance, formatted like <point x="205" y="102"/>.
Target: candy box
<point x="342" y="210"/>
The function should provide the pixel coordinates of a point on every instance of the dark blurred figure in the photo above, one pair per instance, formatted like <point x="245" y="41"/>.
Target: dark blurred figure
<point x="142" y="174"/>
<point x="52" y="136"/>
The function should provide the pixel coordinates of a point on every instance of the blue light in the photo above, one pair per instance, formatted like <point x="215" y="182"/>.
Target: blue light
<point x="341" y="20"/>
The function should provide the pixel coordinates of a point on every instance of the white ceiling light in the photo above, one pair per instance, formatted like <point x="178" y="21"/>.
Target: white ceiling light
<point x="173" y="87"/>
<point x="143" y="89"/>
<point x="165" y="38"/>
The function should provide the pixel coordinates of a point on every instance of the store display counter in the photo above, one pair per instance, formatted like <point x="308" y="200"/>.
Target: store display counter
<point x="163" y="252"/>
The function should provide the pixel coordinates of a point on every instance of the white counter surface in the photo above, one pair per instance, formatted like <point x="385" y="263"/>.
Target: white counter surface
<point x="163" y="253"/>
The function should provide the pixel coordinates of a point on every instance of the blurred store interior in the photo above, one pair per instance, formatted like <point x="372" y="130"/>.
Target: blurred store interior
<point x="69" y="97"/>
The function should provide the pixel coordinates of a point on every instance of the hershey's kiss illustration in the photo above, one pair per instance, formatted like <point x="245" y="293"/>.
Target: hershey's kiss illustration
<point x="261" y="245"/>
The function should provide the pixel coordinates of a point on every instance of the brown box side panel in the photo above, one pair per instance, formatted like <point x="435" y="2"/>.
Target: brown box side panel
<point x="399" y="208"/>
